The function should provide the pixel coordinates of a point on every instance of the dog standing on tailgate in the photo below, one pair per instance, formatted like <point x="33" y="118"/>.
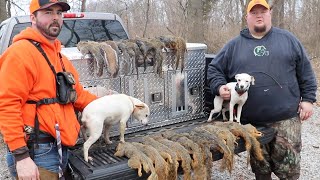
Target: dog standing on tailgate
<point x="107" y="111"/>
<point x="239" y="95"/>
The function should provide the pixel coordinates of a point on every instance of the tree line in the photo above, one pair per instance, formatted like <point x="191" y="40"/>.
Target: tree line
<point x="213" y="22"/>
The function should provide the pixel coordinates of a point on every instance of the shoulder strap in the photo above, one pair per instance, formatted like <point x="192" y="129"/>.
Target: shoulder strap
<point x="44" y="100"/>
<point x="37" y="45"/>
<point x="47" y="101"/>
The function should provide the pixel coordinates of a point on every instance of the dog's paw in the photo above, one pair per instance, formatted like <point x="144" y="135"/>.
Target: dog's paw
<point x="90" y="160"/>
<point x="238" y="121"/>
<point x="209" y="120"/>
<point x="122" y="141"/>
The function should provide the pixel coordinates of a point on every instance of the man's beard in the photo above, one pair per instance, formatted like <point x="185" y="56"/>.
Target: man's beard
<point x="260" y="29"/>
<point x="47" y="32"/>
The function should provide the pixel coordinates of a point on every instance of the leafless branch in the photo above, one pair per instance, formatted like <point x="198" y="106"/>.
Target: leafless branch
<point x="147" y="19"/>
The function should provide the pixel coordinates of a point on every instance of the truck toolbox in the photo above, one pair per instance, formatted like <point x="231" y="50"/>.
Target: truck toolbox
<point x="173" y="98"/>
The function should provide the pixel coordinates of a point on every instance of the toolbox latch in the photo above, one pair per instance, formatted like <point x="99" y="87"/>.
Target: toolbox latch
<point x="194" y="91"/>
<point x="156" y="97"/>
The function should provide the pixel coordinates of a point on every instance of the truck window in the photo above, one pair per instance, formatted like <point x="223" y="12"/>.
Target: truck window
<point x="77" y="30"/>
<point x="18" y="28"/>
<point x="90" y="30"/>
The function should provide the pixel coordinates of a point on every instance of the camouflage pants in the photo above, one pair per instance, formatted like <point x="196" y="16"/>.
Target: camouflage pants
<point x="282" y="154"/>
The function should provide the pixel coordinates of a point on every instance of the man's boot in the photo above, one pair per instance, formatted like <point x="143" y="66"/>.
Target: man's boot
<point x="263" y="176"/>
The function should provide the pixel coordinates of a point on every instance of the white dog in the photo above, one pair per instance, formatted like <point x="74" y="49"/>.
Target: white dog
<point x="100" y="91"/>
<point x="239" y="95"/>
<point x="107" y="111"/>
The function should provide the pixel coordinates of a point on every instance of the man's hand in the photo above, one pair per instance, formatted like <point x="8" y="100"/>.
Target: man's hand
<point x="305" y="110"/>
<point x="27" y="169"/>
<point x="224" y="92"/>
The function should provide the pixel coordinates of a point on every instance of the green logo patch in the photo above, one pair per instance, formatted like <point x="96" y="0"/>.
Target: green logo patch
<point x="260" y="51"/>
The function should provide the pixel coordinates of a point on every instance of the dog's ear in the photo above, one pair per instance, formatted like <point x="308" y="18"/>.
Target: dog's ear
<point x="252" y="80"/>
<point x="140" y="106"/>
<point x="236" y="76"/>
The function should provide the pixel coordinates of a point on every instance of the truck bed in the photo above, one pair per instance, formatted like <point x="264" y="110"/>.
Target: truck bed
<point x="108" y="166"/>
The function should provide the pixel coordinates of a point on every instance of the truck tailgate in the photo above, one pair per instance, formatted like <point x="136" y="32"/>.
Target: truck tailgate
<point x="108" y="166"/>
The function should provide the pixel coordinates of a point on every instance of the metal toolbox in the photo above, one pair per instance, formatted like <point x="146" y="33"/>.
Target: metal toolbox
<point x="172" y="98"/>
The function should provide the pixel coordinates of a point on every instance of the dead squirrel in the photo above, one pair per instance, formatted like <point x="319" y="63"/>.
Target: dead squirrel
<point x="179" y="47"/>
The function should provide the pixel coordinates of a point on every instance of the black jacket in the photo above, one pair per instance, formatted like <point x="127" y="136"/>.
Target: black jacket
<point x="282" y="71"/>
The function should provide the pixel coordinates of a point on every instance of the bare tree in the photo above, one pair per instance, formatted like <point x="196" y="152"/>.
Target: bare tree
<point x="195" y="30"/>
<point x="125" y="14"/>
<point x="213" y="22"/>
<point x="8" y="8"/>
<point x="244" y="4"/>
<point x="278" y="13"/>
<point x="291" y="20"/>
<point x="147" y="18"/>
<point x="3" y="10"/>
<point x="316" y="33"/>
<point x="83" y="5"/>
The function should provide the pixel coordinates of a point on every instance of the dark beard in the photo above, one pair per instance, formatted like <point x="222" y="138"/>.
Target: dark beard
<point x="260" y="29"/>
<point x="47" y="31"/>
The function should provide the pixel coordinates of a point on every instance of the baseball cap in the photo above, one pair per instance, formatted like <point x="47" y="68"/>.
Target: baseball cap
<point x="256" y="2"/>
<point x="36" y="5"/>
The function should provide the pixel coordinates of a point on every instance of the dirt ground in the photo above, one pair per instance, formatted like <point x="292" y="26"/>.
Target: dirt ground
<point x="316" y="66"/>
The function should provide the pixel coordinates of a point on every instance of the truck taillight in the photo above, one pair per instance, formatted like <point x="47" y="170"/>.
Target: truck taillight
<point x="73" y="15"/>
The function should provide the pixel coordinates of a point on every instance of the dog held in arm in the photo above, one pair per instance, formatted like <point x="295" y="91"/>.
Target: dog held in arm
<point x="239" y="95"/>
<point x="107" y="111"/>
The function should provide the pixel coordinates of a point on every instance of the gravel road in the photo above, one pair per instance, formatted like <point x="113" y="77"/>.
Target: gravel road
<point x="310" y="156"/>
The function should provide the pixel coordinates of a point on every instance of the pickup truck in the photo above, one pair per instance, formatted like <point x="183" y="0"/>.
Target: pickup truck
<point x="176" y="102"/>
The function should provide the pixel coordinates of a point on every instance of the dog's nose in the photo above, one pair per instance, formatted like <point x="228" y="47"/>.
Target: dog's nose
<point x="241" y="86"/>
